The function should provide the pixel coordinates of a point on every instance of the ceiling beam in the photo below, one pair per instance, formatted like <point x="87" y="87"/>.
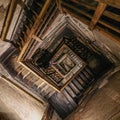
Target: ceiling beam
<point x="37" y="38"/>
<point x="88" y="16"/>
<point x="85" y="4"/>
<point x="85" y="21"/>
<point x="106" y="12"/>
<point x="34" y="28"/>
<point x="114" y="3"/>
<point x="8" y="20"/>
<point x="98" y="13"/>
<point x="59" y="6"/>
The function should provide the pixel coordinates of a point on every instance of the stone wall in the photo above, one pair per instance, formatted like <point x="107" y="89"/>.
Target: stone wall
<point x="104" y="104"/>
<point x="18" y="105"/>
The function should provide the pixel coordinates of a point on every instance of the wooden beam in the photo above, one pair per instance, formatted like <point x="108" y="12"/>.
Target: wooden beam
<point x="90" y="7"/>
<point x="87" y="15"/>
<point x="112" y="15"/>
<point x="85" y="4"/>
<point x="106" y="33"/>
<point x="85" y="21"/>
<point x="98" y="13"/>
<point x="110" y="26"/>
<point x="114" y="3"/>
<point x="58" y="2"/>
<point x="76" y="9"/>
<point x="8" y="20"/>
<point x="37" y="38"/>
<point x="34" y="28"/>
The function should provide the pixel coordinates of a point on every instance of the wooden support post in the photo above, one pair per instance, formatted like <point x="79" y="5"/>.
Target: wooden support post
<point x="106" y="13"/>
<point x="98" y="13"/>
<point x="37" y="38"/>
<point x="6" y="26"/>
<point x="59" y="5"/>
<point x="34" y="28"/>
<point x="114" y="3"/>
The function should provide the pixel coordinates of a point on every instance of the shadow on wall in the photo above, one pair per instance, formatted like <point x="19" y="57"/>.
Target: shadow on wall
<point x="8" y="116"/>
<point x="15" y="104"/>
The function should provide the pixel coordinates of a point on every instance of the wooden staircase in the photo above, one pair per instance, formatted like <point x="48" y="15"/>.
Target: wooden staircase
<point x="67" y="100"/>
<point x="63" y="102"/>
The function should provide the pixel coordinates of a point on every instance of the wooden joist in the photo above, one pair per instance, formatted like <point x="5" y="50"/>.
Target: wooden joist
<point x="37" y="38"/>
<point x="106" y="13"/>
<point x="114" y="3"/>
<point x="84" y="4"/>
<point x="66" y="5"/>
<point x="112" y="15"/>
<point x="98" y="13"/>
<point x="59" y="6"/>
<point x="95" y="19"/>
<point x="87" y="22"/>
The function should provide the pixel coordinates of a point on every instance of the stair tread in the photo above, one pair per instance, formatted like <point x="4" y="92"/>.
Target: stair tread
<point x="77" y="84"/>
<point x="70" y="91"/>
<point x="76" y="90"/>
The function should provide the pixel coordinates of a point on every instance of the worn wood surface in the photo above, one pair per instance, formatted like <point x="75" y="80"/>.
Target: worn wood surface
<point x="98" y="13"/>
<point x="35" y="27"/>
<point x="114" y="3"/>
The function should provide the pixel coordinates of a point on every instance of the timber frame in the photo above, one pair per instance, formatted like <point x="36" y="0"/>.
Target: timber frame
<point x="32" y="37"/>
<point x="63" y="6"/>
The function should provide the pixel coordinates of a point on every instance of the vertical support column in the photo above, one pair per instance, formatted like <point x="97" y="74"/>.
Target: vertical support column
<point x="98" y="13"/>
<point x="11" y="10"/>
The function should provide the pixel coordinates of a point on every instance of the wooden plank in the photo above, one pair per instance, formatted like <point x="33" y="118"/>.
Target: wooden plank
<point x="110" y="26"/>
<point x="114" y="3"/>
<point x="106" y="12"/>
<point x="89" y="16"/>
<point x="85" y="21"/>
<point x="37" y="38"/>
<point x="58" y="2"/>
<point x="111" y="36"/>
<point x="34" y="28"/>
<point x="8" y="20"/>
<point x="112" y="15"/>
<point x="98" y="13"/>
<point x="76" y="9"/>
<point x="85" y="4"/>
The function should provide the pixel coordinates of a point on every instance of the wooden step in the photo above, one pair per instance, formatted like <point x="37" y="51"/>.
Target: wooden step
<point x="74" y="88"/>
<point x="69" y="98"/>
<point x="83" y="77"/>
<point x="78" y="85"/>
<point x="70" y="91"/>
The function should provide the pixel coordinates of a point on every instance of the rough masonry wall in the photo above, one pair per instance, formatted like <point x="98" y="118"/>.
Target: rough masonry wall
<point x="17" y="105"/>
<point x="104" y="104"/>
